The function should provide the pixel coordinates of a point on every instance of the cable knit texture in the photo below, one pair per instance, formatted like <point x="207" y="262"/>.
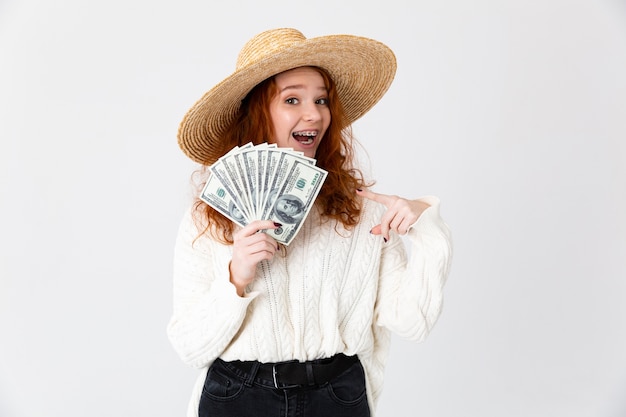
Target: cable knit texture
<point x="331" y="290"/>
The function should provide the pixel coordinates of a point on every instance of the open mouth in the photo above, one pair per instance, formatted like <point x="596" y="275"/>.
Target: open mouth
<point x="305" y="137"/>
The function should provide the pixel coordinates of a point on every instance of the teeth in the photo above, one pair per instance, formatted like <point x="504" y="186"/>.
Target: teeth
<point x="309" y="135"/>
<point x="305" y="133"/>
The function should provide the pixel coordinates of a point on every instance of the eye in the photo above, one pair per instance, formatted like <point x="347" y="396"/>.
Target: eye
<point x="322" y="101"/>
<point x="291" y="100"/>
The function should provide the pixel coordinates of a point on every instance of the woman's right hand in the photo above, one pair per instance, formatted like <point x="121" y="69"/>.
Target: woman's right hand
<point x="249" y="248"/>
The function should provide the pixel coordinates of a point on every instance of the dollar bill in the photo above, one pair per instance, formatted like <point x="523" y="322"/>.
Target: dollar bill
<point x="250" y="159"/>
<point x="295" y="199"/>
<point x="219" y="171"/>
<point x="215" y="195"/>
<point x="229" y="170"/>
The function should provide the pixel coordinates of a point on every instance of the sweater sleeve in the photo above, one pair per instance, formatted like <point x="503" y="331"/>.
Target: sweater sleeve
<point x="410" y="294"/>
<point x="207" y="312"/>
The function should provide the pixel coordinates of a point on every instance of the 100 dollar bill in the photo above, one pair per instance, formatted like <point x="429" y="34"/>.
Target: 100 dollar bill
<point x="295" y="200"/>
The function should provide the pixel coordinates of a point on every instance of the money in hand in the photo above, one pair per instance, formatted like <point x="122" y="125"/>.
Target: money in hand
<point x="264" y="182"/>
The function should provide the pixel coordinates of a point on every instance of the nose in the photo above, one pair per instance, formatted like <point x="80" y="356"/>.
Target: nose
<point x="311" y="113"/>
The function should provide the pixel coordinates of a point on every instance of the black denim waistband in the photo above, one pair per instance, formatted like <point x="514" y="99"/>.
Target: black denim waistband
<point x="292" y="374"/>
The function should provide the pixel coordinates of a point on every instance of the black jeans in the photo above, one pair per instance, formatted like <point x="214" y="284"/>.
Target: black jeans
<point x="228" y="392"/>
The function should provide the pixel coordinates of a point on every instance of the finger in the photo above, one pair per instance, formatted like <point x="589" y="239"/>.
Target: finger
<point x="247" y="244"/>
<point x="377" y="230"/>
<point x="395" y="224"/>
<point x="384" y="199"/>
<point x="252" y="251"/>
<point x="255" y="226"/>
<point x="407" y="221"/>
<point x="264" y="249"/>
<point x="386" y="223"/>
<point x="403" y="229"/>
<point x="399" y="226"/>
<point x="380" y="230"/>
<point x="401" y="222"/>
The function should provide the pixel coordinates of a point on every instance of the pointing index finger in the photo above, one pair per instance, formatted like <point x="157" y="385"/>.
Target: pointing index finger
<point x="384" y="199"/>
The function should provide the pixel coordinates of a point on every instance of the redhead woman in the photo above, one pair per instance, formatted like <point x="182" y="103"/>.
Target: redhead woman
<point x="303" y="329"/>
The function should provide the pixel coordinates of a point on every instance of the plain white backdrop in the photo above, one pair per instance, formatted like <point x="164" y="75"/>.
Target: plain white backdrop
<point x="512" y="112"/>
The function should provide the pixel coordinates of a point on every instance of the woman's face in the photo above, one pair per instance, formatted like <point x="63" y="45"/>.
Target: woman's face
<point x="299" y="111"/>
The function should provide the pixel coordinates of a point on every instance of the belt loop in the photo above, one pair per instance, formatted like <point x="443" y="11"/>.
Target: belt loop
<point x="309" y="374"/>
<point x="253" y="372"/>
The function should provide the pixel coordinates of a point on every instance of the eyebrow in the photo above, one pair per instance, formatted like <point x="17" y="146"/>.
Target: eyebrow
<point x="299" y="87"/>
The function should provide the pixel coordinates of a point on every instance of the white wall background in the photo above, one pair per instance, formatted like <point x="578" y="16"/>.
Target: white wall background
<point x="513" y="112"/>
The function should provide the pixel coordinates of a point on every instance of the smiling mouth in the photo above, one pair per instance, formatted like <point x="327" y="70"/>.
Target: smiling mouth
<point x="305" y="137"/>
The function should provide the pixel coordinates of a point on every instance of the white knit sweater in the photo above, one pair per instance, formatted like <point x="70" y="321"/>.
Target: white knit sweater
<point x="330" y="291"/>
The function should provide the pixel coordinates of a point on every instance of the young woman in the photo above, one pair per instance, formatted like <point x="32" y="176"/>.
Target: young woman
<point x="304" y="329"/>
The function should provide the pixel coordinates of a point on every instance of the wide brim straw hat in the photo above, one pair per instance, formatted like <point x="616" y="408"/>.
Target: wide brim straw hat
<point x="361" y="68"/>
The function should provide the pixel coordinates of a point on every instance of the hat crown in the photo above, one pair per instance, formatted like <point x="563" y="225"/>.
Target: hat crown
<point x="266" y="44"/>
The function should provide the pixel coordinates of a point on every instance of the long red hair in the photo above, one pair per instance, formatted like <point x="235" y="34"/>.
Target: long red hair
<point x="337" y="198"/>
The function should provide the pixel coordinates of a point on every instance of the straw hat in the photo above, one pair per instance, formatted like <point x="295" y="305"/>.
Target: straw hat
<point x="361" y="68"/>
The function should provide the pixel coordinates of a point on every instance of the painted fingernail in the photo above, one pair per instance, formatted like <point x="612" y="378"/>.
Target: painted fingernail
<point x="385" y="239"/>
<point x="370" y="231"/>
<point x="359" y="189"/>
<point x="277" y="224"/>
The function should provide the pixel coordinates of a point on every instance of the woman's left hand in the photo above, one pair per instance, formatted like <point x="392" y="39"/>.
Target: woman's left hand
<point x="400" y="215"/>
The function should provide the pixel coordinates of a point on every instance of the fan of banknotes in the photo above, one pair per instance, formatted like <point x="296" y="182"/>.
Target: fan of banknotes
<point x="264" y="182"/>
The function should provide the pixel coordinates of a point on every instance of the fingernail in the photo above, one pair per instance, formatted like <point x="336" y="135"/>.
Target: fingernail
<point x="370" y="231"/>
<point x="277" y="224"/>
<point x="359" y="189"/>
<point x="385" y="239"/>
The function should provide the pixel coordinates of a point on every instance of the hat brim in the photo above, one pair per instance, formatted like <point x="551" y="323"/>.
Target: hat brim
<point x="361" y="68"/>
